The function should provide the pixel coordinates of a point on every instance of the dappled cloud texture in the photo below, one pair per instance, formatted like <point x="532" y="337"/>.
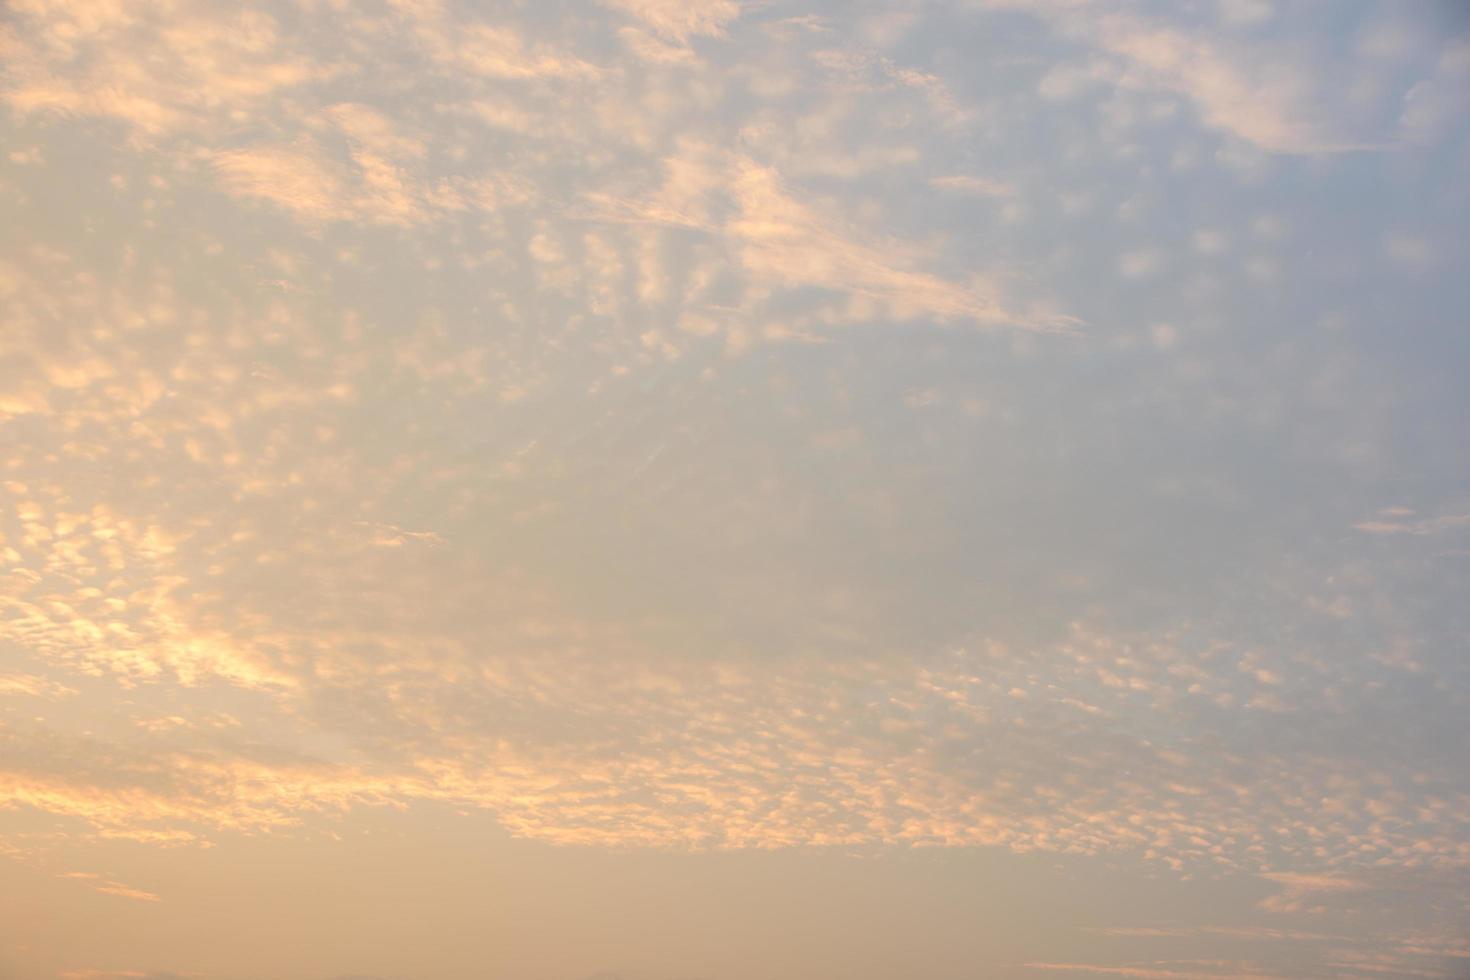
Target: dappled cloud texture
<point x="488" y="488"/>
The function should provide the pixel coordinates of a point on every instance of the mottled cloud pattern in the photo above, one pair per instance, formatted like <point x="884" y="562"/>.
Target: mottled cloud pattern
<point x="725" y="431"/>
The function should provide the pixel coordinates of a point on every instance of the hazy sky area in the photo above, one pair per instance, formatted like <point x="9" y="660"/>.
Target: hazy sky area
<point x="734" y="490"/>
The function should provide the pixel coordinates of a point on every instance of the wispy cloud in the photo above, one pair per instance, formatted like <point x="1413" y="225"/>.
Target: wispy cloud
<point x="109" y="60"/>
<point x="107" y="886"/>
<point x="1297" y="889"/>
<point x="1423" y="526"/>
<point x="679" y="20"/>
<point x="979" y="186"/>
<point x="1270" y="98"/>
<point x="1149" y="972"/>
<point x="717" y="427"/>
<point x="782" y="242"/>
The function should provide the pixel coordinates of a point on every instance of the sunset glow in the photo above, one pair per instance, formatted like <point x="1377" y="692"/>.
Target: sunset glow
<point x="734" y="490"/>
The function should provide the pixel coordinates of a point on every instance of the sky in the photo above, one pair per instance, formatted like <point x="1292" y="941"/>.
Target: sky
<point x="734" y="489"/>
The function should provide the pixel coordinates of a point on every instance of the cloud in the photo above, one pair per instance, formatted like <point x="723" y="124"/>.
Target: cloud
<point x="383" y="441"/>
<point x="1243" y="971"/>
<point x="106" y="886"/>
<point x="1265" y="105"/>
<point x="1144" y="263"/>
<point x="867" y="754"/>
<point x="1424" y="526"/>
<point x="321" y="615"/>
<point x="298" y="179"/>
<point x="392" y="536"/>
<point x="1235" y="932"/>
<point x="369" y="187"/>
<point x="782" y="242"/>
<point x="863" y="73"/>
<point x="1410" y="252"/>
<point x="654" y="50"/>
<point x="374" y="132"/>
<point x="33" y="685"/>
<point x="496" y="51"/>
<point x="184" y="87"/>
<point x="1433" y="104"/>
<point x="1272" y="99"/>
<point x="681" y="19"/>
<point x="978" y="186"/>
<point x="1296" y="888"/>
<point x="1246" y="13"/>
<point x="785" y="241"/>
<point x="107" y="60"/>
